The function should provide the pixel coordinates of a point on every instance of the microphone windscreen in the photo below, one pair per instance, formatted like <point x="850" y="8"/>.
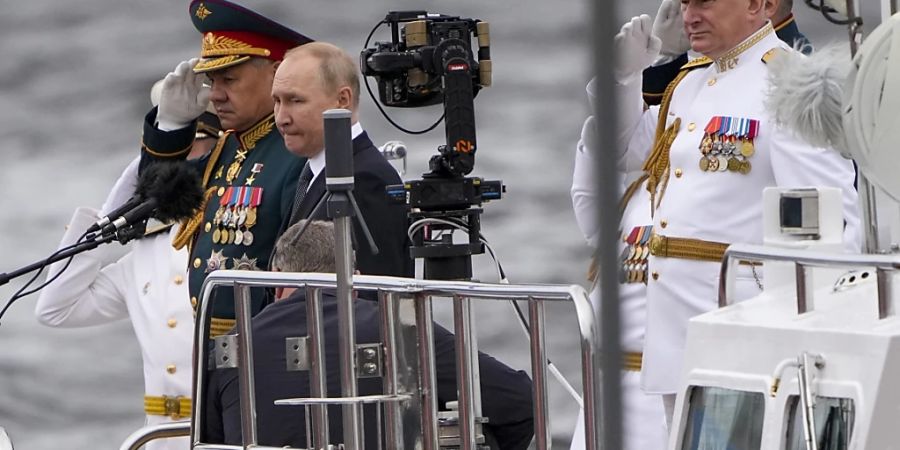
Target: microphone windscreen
<point x="176" y="188"/>
<point x="806" y="94"/>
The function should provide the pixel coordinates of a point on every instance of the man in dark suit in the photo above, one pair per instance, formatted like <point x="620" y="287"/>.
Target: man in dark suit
<point x="506" y="393"/>
<point x="311" y="80"/>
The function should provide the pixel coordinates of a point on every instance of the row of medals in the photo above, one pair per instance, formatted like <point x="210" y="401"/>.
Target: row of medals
<point x="634" y="263"/>
<point x="233" y="225"/>
<point x="722" y="154"/>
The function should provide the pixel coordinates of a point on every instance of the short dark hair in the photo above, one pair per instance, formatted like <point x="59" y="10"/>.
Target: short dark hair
<point x="312" y="251"/>
<point x="784" y="9"/>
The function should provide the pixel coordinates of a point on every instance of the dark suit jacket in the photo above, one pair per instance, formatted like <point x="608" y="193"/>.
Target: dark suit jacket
<point x="386" y="221"/>
<point x="506" y="393"/>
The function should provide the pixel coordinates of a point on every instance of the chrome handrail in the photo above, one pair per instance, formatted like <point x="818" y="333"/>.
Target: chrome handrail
<point x="885" y="266"/>
<point x="421" y="291"/>
<point x="149" y="433"/>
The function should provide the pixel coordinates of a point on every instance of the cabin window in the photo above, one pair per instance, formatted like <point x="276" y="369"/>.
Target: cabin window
<point x="834" y="423"/>
<point x="723" y="419"/>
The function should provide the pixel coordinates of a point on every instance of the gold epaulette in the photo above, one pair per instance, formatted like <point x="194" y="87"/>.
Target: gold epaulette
<point x="773" y="53"/>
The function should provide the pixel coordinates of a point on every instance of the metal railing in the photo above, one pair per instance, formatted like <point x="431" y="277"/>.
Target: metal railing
<point x="149" y="433"/>
<point x="885" y="268"/>
<point x="395" y="293"/>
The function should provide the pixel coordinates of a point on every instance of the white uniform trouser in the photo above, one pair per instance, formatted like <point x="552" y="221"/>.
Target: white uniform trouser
<point x="643" y="418"/>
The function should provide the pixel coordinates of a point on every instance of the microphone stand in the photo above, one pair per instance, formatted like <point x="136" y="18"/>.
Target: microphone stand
<point x="123" y="235"/>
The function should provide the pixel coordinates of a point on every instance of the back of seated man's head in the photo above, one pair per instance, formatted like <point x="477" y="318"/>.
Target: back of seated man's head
<point x="312" y="251"/>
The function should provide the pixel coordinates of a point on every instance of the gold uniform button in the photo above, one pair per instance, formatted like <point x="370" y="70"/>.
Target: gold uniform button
<point x="655" y="275"/>
<point x="170" y="368"/>
<point x="692" y="126"/>
<point x="207" y="227"/>
<point x="711" y="82"/>
<point x="678" y="172"/>
<point x="194" y="302"/>
<point x="663" y="223"/>
<point x="171" y="323"/>
<point x="220" y="191"/>
<point x="197" y="263"/>
<point x="178" y="279"/>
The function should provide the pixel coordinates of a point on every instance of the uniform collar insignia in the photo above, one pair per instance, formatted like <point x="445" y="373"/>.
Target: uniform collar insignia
<point x="729" y="60"/>
<point x="262" y="128"/>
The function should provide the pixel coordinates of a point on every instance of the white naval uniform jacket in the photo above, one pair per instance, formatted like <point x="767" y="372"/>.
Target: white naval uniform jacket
<point x="718" y="206"/>
<point x="643" y="416"/>
<point x="147" y="285"/>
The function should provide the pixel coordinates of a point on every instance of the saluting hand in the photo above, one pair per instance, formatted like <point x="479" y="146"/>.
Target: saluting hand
<point x="183" y="97"/>
<point x="668" y="26"/>
<point x="636" y="48"/>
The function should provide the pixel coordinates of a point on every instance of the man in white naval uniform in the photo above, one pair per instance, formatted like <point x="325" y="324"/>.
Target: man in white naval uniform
<point x="146" y="285"/>
<point x="708" y="163"/>
<point x="643" y="420"/>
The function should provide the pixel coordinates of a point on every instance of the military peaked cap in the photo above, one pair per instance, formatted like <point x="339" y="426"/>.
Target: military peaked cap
<point x="233" y="34"/>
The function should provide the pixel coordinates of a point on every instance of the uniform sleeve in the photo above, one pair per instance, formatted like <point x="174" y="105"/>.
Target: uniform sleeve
<point x="123" y="189"/>
<point x="798" y="164"/>
<point x="658" y="77"/>
<point x="635" y="127"/>
<point x="159" y="145"/>
<point x="584" y="195"/>
<point x="92" y="290"/>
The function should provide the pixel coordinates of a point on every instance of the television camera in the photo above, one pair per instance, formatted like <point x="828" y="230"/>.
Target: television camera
<point x="429" y="61"/>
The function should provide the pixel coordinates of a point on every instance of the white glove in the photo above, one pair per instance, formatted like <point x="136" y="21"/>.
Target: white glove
<point x="636" y="48"/>
<point x="668" y="26"/>
<point x="183" y="97"/>
<point x="588" y="142"/>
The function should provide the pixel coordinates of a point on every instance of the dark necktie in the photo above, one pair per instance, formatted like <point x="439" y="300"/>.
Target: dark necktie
<point x="306" y="176"/>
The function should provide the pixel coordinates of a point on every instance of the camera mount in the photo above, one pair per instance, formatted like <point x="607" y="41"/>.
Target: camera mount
<point x="430" y="61"/>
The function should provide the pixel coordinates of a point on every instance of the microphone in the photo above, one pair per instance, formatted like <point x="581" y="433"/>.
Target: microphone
<point x="105" y="220"/>
<point x="166" y="191"/>
<point x="338" y="150"/>
<point x="393" y="150"/>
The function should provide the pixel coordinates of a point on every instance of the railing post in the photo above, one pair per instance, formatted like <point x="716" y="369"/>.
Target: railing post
<point x="425" y="338"/>
<point x="542" y="436"/>
<point x="464" y="382"/>
<point x="804" y="300"/>
<point x="317" y="369"/>
<point x="246" y="382"/>
<point x="885" y="282"/>
<point x="393" y="420"/>
<point x="352" y="413"/>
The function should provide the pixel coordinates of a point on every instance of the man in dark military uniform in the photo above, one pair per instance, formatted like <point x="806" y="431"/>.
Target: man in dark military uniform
<point x="668" y="27"/>
<point x="249" y="177"/>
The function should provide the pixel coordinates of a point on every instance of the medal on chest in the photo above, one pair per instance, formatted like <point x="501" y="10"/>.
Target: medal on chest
<point x="727" y="144"/>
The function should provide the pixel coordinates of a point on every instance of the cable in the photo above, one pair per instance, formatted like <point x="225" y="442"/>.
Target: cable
<point x="21" y="292"/>
<point x="417" y="225"/>
<point x="378" y="104"/>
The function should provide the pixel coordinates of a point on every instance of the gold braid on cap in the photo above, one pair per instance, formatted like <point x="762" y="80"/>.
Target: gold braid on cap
<point x="185" y="235"/>
<point x="225" y="46"/>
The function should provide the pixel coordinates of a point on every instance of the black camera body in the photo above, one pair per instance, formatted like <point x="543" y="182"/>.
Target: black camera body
<point x="430" y="61"/>
<point x="410" y="68"/>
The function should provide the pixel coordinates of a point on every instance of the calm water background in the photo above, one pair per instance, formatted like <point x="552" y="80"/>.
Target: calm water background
<point x="74" y="82"/>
